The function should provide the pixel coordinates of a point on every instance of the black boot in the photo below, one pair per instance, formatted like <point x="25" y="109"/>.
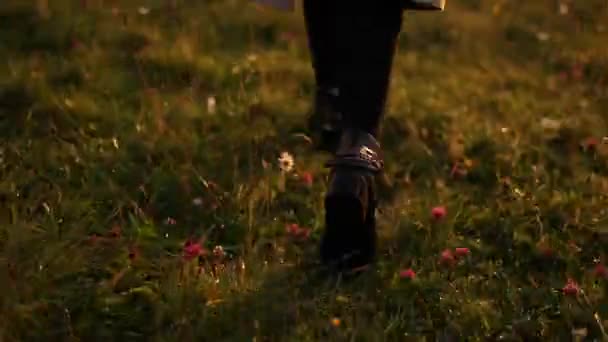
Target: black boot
<point x="353" y="47"/>
<point x="349" y="241"/>
<point x="325" y="122"/>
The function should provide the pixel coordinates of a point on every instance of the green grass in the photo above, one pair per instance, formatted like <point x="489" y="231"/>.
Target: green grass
<point x="111" y="159"/>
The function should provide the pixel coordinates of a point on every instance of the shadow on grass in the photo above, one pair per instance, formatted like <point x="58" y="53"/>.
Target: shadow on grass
<point x="307" y="302"/>
<point x="23" y="113"/>
<point x="22" y="30"/>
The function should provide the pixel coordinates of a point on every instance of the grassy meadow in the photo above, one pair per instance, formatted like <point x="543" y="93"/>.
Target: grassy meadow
<point x="141" y="197"/>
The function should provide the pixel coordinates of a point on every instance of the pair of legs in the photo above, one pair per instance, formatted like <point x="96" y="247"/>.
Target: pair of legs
<point x="352" y="46"/>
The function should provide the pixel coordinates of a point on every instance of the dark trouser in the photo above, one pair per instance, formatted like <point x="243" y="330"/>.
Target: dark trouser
<point x="352" y="45"/>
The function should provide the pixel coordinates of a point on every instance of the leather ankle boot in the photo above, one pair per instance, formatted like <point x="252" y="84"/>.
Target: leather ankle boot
<point x="349" y="240"/>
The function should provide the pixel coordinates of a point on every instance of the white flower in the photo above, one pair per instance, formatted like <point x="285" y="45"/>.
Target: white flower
<point x="286" y="162"/>
<point x="211" y="105"/>
<point x="143" y="10"/>
<point x="197" y="201"/>
<point x="218" y="251"/>
<point x="543" y="36"/>
<point x="550" y="124"/>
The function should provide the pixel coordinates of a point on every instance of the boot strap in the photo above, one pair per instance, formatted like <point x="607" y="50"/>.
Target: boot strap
<point x="358" y="149"/>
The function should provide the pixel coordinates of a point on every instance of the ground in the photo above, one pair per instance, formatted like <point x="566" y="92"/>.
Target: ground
<point x="141" y="195"/>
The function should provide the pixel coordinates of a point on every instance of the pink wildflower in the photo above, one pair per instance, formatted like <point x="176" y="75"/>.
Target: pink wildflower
<point x="571" y="288"/>
<point x="600" y="271"/>
<point x="439" y="212"/>
<point x="590" y="143"/>
<point x="407" y="274"/>
<point x="192" y="250"/>
<point x="462" y="252"/>
<point x="293" y="229"/>
<point x="307" y="178"/>
<point x="447" y="257"/>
